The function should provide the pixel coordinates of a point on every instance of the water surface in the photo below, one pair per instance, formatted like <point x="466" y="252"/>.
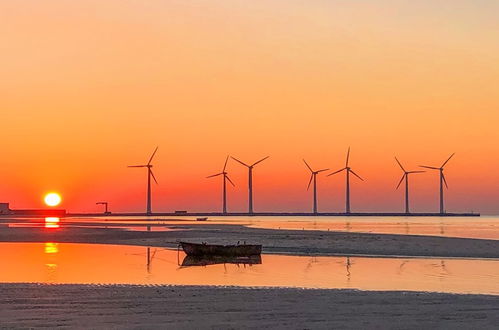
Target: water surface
<point x="110" y="264"/>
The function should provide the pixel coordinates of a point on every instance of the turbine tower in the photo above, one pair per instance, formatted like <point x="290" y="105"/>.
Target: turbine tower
<point x="313" y="178"/>
<point x="406" y="177"/>
<point x="149" y="175"/>
<point x="224" y="189"/>
<point x="348" y="171"/>
<point x="442" y="181"/>
<point x="250" y="181"/>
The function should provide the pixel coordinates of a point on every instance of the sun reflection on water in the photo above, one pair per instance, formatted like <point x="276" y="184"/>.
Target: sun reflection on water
<point x="51" y="248"/>
<point x="52" y="222"/>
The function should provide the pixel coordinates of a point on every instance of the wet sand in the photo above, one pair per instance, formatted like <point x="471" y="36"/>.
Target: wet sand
<point x="296" y="242"/>
<point x="194" y="307"/>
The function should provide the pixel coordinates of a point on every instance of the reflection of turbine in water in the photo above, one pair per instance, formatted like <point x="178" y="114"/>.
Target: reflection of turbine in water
<point x="149" y="258"/>
<point x="52" y="222"/>
<point x="444" y="267"/>
<point x="313" y="260"/>
<point x="442" y="228"/>
<point x="402" y="266"/>
<point x="348" y="265"/>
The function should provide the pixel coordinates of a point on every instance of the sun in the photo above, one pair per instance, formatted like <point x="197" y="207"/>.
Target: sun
<point x="52" y="199"/>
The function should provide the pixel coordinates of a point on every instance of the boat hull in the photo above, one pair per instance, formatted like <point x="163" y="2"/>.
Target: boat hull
<point x="216" y="260"/>
<point x="194" y="249"/>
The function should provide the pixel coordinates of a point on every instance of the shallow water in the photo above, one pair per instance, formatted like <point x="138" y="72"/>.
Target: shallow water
<point x="485" y="227"/>
<point x="110" y="264"/>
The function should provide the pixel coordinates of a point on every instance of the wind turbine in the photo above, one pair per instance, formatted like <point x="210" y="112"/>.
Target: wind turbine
<point x="313" y="177"/>
<point x="225" y="179"/>
<point x="442" y="181"/>
<point x="348" y="171"/>
<point x="406" y="177"/>
<point x="149" y="175"/>
<point x="250" y="181"/>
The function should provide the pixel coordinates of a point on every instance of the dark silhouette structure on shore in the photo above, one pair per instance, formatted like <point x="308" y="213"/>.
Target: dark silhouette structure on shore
<point x="106" y="204"/>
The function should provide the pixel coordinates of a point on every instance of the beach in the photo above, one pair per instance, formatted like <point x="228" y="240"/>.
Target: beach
<point x="32" y="305"/>
<point x="294" y="242"/>
<point x="191" y="307"/>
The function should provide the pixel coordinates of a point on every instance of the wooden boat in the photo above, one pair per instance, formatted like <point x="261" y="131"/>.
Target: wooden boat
<point x="243" y="250"/>
<point x="215" y="260"/>
<point x="202" y="219"/>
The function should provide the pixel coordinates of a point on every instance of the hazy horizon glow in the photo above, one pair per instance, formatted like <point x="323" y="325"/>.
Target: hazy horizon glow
<point x="89" y="87"/>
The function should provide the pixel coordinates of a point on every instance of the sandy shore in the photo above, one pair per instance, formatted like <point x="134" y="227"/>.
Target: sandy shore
<point x="274" y="241"/>
<point x="79" y="306"/>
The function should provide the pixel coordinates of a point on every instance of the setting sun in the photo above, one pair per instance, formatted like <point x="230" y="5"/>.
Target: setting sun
<point x="52" y="199"/>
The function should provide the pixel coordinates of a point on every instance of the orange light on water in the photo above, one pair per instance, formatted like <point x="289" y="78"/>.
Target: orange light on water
<point x="51" y="248"/>
<point x="52" y="222"/>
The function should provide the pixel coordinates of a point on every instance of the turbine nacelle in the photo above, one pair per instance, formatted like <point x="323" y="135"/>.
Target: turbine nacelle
<point x="441" y="169"/>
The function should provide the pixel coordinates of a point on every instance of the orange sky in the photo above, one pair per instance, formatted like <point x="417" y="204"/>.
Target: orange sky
<point x="89" y="87"/>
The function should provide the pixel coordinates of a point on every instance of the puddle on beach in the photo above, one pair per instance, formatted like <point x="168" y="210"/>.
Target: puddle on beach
<point x="110" y="264"/>
<point x="485" y="227"/>
<point x="54" y="222"/>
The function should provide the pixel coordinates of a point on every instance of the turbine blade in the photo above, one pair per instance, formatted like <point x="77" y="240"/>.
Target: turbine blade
<point x="326" y="169"/>
<point x="225" y="165"/>
<point x="410" y="172"/>
<point x="237" y="160"/>
<point x="447" y="160"/>
<point x="137" y="165"/>
<point x="400" y="182"/>
<point x="356" y="175"/>
<point x="308" y="165"/>
<point x="232" y="183"/>
<point x="154" y="178"/>
<point x="338" y="171"/>
<point x="154" y="153"/>
<point x="348" y="157"/>
<point x="261" y="160"/>
<point x="211" y="176"/>
<point x="403" y="169"/>
<point x="445" y="181"/>
<point x="311" y="177"/>
<point x="430" y="167"/>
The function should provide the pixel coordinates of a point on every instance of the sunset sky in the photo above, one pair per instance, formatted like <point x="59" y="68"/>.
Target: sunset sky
<point x="89" y="87"/>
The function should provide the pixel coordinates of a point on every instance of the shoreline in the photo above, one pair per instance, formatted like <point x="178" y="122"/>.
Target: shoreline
<point x="283" y="214"/>
<point x="64" y="213"/>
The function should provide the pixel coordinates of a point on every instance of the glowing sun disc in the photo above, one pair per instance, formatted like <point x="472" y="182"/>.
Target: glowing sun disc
<point x="52" y="199"/>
